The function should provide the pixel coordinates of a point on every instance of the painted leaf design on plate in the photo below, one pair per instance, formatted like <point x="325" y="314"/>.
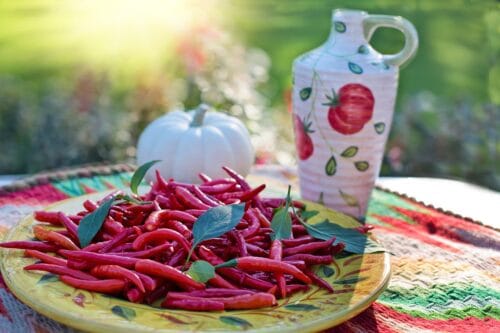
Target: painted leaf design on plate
<point x="305" y="93"/>
<point x="362" y="165"/>
<point x="46" y="278"/>
<point x="124" y="312"/>
<point x="331" y="166"/>
<point x="173" y="319"/>
<point x="235" y="321"/>
<point x="350" y="200"/>
<point x="350" y="151"/>
<point x="301" y="307"/>
<point x="355" y="68"/>
<point x="327" y="270"/>
<point x="339" y="26"/>
<point x="379" y="127"/>
<point x="351" y="280"/>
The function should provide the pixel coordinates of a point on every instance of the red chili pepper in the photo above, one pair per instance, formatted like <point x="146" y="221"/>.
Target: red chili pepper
<point x="89" y="205"/>
<point x="297" y="241"/>
<point x="99" y="258"/>
<point x="217" y="188"/>
<point x="160" y="235"/>
<point x="193" y="305"/>
<point x="157" y="293"/>
<point x="111" y="286"/>
<point x="204" y="178"/>
<point x="188" y="199"/>
<point x="318" y="281"/>
<point x="49" y="217"/>
<point x="45" y="257"/>
<point x="220" y="282"/>
<point x="300" y="264"/>
<point x="212" y="292"/>
<point x="150" y="284"/>
<point x="251" y="194"/>
<point x="117" y="240"/>
<point x="254" y="226"/>
<point x="238" y="178"/>
<point x="30" y="245"/>
<point x="239" y="302"/>
<point x="53" y="237"/>
<point x="179" y="227"/>
<point x="151" y="252"/>
<point x="118" y="272"/>
<point x="308" y="248"/>
<point x="211" y="201"/>
<point x="164" y="271"/>
<point x="178" y="258"/>
<point x="311" y="259"/>
<point x="75" y="218"/>
<point x="264" y="222"/>
<point x="275" y="253"/>
<point x="60" y="270"/>
<point x="194" y="212"/>
<point x="78" y="264"/>
<point x="162" y="183"/>
<point x="134" y="295"/>
<point x="258" y="264"/>
<point x="112" y="227"/>
<point x="256" y="250"/>
<point x="95" y="247"/>
<point x="221" y="181"/>
<point x="240" y="242"/>
<point x="155" y="219"/>
<point x="293" y="288"/>
<point x="135" y="220"/>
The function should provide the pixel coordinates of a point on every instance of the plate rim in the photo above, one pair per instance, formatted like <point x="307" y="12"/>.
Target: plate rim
<point x="75" y="321"/>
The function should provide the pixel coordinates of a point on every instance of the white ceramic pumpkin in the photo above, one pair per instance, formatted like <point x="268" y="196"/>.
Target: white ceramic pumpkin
<point x="188" y="143"/>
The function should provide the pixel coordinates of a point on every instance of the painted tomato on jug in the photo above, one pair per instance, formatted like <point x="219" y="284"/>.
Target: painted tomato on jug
<point x="351" y="108"/>
<point x="303" y="141"/>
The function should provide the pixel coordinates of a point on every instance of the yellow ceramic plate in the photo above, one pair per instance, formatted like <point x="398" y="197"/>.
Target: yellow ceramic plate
<point x="357" y="279"/>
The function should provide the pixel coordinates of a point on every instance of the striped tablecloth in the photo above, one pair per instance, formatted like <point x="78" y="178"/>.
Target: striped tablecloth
<point x="446" y="268"/>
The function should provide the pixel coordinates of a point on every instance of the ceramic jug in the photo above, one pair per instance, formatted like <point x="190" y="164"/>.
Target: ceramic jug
<point x="343" y="101"/>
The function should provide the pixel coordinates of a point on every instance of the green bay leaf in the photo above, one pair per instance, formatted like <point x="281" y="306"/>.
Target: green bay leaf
<point x="201" y="271"/>
<point x="91" y="224"/>
<point x="139" y="175"/>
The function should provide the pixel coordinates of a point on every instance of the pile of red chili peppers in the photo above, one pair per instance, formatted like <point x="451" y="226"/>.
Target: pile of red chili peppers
<point x="141" y="250"/>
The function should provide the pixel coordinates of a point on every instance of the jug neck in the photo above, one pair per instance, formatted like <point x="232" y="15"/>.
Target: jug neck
<point x="347" y="32"/>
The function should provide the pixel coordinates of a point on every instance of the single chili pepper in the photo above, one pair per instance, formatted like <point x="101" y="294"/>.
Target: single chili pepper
<point x="258" y="238"/>
<point x="160" y="235"/>
<point x="111" y="286"/>
<point x="300" y="264"/>
<point x="256" y="250"/>
<point x="179" y="227"/>
<point x="75" y="218"/>
<point x="212" y="292"/>
<point x="266" y="265"/>
<point x="311" y="259"/>
<point x="49" y="217"/>
<point x="188" y="199"/>
<point x="127" y="247"/>
<point x="229" y="195"/>
<point x="298" y="229"/>
<point x="211" y="201"/>
<point x="275" y="253"/>
<point x="221" y="181"/>
<point x="251" y="194"/>
<point x="240" y="242"/>
<point x="164" y="271"/>
<point x="318" y="281"/>
<point x="193" y="305"/>
<point x="297" y="241"/>
<point x="238" y="178"/>
<point x="117" y="240"/>
<point x="89" y="205"/>
<point x="254" y="226"/>
<point x="60" y="270"/>
<point x="293" y="288"/>
<point x="264" y="222"/>
<point x="162" y="183"/>
<point x="204" y="178"/>
<point x="163" y="201"/>
<point x="95" y="247"/>
<point x="118" y="272"/>
<point x="78" y="264"/>
<point x="176" y="204"/>
<point x="151" y="252"/>
<point x="153" y="220"/>
<point x="53" y="237"/>
<point x="309" y="247"/>
<point x="238" y="302"/>
<point x="134" y="295"/>
<point x="45" y="257"/>
<point x="99" y="258"/>
<point x="220" y="282"/>
<point x="112" y="227"/>
<point x="217" y="188"/>
<point x="337" y="248"/>
<point x="194" y="212"/>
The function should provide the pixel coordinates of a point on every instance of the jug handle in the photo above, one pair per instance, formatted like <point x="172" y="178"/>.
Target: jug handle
<point x="373" y="22"/>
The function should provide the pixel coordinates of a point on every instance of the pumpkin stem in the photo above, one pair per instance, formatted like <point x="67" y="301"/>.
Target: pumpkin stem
<point x="199" y="115"/>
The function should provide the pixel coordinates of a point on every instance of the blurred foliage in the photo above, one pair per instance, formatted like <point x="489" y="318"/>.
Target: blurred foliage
<point x="80" y="80"/>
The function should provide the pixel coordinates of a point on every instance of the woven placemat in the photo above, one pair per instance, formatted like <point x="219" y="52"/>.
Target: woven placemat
<point x="446" y="272"/>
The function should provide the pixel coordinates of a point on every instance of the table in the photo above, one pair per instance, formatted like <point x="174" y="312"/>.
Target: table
<point x="446" y="276"/>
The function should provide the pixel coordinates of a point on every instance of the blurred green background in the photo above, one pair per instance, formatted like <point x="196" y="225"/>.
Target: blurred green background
<point x="79" y="80"/>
